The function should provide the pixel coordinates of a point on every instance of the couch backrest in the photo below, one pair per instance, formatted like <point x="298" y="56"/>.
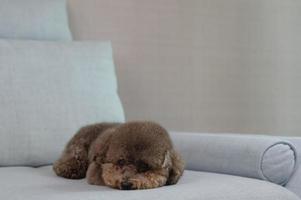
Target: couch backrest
<point x="295" y="183"/>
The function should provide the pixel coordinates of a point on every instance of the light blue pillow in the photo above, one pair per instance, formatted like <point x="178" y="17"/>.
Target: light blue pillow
<point x="34" y="19"/>
<point x="48" y="90"/>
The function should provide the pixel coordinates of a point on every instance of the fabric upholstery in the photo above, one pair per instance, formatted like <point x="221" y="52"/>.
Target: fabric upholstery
<point x="34" y="19"/>
<point x="41" y="183"/>
<point x="262" y="157"/>
<point x="295" y="183"/>
<point x="48" y="90"/>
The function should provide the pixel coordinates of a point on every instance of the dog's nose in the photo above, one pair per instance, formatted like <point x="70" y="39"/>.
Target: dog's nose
<point x="126" y="185"/>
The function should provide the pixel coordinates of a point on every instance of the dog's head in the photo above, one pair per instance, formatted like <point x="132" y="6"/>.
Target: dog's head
<point x="134" y="155"/>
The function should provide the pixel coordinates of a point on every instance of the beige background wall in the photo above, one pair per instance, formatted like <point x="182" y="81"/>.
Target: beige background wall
<point x="203" y="65"/>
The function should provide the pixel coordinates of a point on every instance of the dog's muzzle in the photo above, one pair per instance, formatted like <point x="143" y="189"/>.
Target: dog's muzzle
<point x="125" y="185"/>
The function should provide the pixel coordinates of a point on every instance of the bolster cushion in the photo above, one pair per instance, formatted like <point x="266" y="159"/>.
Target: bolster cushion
<point x="262" y="157"/>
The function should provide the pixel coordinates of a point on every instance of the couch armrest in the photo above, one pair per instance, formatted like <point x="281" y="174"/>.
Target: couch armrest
<point x="295" y="182"/>
<point x="255" y="156"/>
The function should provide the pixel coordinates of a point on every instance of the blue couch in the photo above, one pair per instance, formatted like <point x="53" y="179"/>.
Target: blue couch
<point x="29" y="183"/>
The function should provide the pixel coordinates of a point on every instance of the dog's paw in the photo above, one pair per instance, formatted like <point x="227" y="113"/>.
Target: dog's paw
<point x="69" y="169"/>
<point x="145" y="181"/>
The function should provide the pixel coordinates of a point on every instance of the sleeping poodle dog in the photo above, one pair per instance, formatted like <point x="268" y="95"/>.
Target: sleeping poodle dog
<point x="128" y="156"/>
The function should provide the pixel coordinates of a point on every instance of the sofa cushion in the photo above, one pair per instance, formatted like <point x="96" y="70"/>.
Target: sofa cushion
<point x="34" y="19"/>
<point x="48" y="90"/>
<point x="41" y="183"/>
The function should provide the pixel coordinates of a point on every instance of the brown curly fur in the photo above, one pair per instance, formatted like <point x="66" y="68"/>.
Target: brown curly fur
<point x="133" y="155"/>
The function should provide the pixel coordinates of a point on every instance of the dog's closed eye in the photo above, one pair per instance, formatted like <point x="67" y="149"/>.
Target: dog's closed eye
<point x="142" y="166"/>
<point x="121" y="162"/>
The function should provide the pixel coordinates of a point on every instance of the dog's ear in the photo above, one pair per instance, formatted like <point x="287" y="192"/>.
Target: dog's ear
<point x="100" y="147"/>
<point x="94" y="174"/>
<point x="97" y="155"/>
<point x="176" y="169"/>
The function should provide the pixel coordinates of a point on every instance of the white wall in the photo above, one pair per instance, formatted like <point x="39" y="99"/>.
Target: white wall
<point x="203" y="65"/>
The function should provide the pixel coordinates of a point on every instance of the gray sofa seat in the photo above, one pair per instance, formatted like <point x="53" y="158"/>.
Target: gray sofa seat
<point x="28" y="183"/>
